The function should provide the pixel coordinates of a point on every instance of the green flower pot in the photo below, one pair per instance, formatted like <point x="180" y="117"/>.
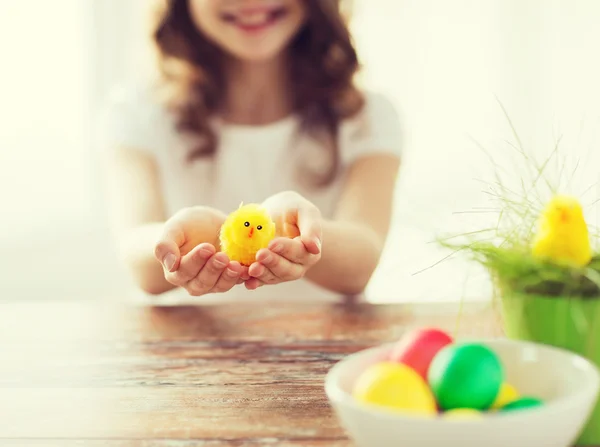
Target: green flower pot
<point x="568" y="323"/>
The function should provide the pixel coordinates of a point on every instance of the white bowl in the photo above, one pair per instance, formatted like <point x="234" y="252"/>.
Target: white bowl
<point x="568" y="384"/>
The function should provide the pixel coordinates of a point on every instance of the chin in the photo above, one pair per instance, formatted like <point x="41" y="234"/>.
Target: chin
<point x="256" y="53"/>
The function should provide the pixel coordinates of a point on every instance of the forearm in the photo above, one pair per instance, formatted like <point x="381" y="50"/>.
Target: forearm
<point x="183" y="232"/>
<point x="137" y="252"/>
<point x="351" y="253"/>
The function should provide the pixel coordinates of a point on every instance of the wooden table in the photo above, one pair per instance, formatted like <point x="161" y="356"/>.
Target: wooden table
<point x="236" y="375"/>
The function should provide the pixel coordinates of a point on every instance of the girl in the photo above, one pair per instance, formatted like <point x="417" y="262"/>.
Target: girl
<point x="255" y="102"/>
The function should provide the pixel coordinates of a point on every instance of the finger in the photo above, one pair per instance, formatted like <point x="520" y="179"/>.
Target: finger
<point x="278" y="267"/>
<point x="256" y="270"/>
<point x="262" y="274"/>
<point x="268" y="277"/>
<point x="229" y="277"/>
<point x="253" y="284"/>
<point x="291" y="249"/>
<point x="190" y="265"/>
<point x="209" y="275"/>
<point x="244" y="275"/>
<point x="167" y="248"/>
<point x="308" y="219"/>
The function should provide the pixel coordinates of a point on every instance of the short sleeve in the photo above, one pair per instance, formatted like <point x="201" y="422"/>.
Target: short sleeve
<point x="375" y="129"/>
<point x="132" y="118"/>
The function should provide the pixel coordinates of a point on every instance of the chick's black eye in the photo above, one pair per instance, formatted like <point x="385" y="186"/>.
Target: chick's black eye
<point x="246" y="224"/>
<point x="259" y="227"/>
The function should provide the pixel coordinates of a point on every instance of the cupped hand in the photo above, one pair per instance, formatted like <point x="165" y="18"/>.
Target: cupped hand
<point x="297" y="247"/>
<point x="203" y="270"/>
<point x="187" y="251"/>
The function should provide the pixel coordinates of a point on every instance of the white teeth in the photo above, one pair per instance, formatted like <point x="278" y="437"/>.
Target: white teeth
<point x="253" y="19"/>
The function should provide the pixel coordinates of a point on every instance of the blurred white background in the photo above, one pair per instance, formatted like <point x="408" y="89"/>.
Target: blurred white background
<point x="443" y="62"/>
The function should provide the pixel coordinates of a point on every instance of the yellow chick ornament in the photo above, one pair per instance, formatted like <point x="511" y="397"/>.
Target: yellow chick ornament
<point x="245" y="231"/>
<point x="563" y="235"/>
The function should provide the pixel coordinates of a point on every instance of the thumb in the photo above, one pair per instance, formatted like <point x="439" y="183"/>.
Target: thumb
<point x="309" y="223"/>
<point x="167" y="248"/>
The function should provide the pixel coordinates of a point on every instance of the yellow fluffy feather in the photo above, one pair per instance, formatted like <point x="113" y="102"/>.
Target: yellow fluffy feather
<point x="563" y="235"/>
<point x="245" y="232"/>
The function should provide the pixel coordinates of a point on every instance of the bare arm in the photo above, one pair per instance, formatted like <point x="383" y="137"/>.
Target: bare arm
<point x="354" y="239"/>
<point x="137" y="215"/>
<point x="162" y="253"/>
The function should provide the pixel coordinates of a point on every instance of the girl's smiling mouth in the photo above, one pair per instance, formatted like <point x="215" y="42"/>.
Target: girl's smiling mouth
<point x="255" y="19"/>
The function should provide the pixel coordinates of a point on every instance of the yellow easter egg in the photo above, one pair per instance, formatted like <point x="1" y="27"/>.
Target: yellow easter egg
<point x="462" y="413"/>
<point x="507" y="394"/>
<point x="395" y="387"/>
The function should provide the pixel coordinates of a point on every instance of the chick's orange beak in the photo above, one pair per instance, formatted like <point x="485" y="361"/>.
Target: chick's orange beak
<point x="564" y="215"/>
<point x="251" y="232"/>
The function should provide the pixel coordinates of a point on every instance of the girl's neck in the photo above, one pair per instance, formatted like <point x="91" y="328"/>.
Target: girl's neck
<point x="257" y="92"/>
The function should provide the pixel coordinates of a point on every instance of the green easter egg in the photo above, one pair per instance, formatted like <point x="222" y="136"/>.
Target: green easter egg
<point x="465" y="375"/>
<point x="522" y="404"/>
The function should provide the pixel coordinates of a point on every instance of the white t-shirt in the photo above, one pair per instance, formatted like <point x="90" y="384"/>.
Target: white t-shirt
<point x="251" y="163"/>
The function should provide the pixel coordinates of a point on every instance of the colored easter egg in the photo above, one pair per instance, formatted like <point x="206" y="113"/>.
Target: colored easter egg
<point x="522" y="404"/>
<point x="507" y="394"/>
<point x="395" y="387"/>
<point x="462" y="413"/>
<point x="418" y="348"/>
<point x="467" y="375"/>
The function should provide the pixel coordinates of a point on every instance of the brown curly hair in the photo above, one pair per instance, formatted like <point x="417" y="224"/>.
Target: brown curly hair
<point x="324" y="62"/>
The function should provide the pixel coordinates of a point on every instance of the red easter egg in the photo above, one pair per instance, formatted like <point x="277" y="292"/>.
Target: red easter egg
<point x="418" y="348"/>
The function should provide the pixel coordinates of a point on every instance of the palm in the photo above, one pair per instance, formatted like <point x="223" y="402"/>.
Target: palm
<point x="285" y="218"/>
<point x="199" y="225"/>
<point x="296" y="217"/>
<point x="187" y="251"/>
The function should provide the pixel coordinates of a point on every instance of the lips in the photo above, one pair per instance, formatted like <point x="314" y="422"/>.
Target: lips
<point x="254" y="19"/>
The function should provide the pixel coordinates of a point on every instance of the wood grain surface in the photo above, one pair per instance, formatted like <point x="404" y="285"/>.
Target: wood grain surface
<point x="237" y="375"/>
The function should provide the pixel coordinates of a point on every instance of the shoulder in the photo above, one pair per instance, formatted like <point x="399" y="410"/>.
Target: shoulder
<point x="134" y="99"/>
<point x="376" y="128"/>
<point x="132" y="116"/>
<point x="379" y="105"/>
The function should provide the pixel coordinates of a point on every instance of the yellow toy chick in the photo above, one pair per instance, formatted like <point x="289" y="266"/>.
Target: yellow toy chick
<point x="245" y="232"/>
<point x="563" y="235"/>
